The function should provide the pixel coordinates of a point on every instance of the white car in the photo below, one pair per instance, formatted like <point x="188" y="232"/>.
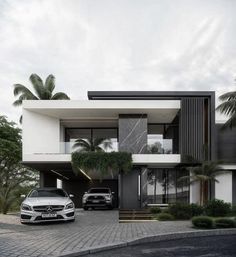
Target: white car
<point x="47" y="204"/>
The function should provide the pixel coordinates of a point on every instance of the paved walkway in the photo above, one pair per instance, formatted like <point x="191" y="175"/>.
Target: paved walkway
<point x="91" y="229"/>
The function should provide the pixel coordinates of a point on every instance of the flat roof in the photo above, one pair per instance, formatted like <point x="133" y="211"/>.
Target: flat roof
<point x="99" y="95"/>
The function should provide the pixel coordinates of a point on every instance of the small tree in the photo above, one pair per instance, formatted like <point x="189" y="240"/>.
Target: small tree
<point x="13" y="175"/>
<point x="204" y="173"/>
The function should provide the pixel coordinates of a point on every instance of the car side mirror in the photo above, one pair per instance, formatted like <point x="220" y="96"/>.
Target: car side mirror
<point x="22" y="196"/>
<point x="71" y="195"/>
<point x="113" y="193"/>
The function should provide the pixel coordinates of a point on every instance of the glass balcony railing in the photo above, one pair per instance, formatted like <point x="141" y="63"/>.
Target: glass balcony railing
<point x="69" y="147"/>
<point x="160" y="146"/>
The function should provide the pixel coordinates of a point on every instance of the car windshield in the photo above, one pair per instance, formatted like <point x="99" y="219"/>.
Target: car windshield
<point x="99" y="191"/>
<point x="48" y="193"/>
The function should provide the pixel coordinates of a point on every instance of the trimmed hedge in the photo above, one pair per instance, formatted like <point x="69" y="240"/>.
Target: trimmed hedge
<point x="224" y="223"/>
<point x="165" y="217"/>
<point x="203" y="222"/>
<point x="217" y="208"/>
<point x="183" y="211"/>
<point x="155" y="210"/>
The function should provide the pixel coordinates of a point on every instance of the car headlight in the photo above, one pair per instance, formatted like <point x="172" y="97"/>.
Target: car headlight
<point x="69" y="206"/>
<point x="84" y="198"/>
<point x="107" y="197"/>
<point x="26" y="207"/>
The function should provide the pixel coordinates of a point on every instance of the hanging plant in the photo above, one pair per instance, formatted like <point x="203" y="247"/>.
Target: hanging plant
<point x="103" y="162"/>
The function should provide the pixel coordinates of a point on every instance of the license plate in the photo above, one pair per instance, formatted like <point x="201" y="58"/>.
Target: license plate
<point x="49" y="215"/>
<point x="95" y="201"/>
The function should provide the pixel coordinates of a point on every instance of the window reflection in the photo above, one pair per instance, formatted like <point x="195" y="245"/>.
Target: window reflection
<point x="164" y="187"/>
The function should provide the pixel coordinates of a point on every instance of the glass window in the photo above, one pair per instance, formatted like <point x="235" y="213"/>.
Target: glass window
<point x="109" y="136"/>
<point x="48" y="193"/>
<point x="163" y="186"/>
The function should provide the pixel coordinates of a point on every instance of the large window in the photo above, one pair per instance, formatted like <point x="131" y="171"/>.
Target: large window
<point x="163" y="139"/>
<point x="163" y="186"/>
<point x="105" y="138"/>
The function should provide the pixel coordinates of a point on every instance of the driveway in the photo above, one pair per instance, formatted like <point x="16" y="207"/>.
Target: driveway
<point x="92" y="229"/>
<point x="213" y="246"/>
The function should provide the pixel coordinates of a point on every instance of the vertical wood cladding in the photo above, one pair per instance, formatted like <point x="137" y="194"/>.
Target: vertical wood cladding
<point x="192" y="127"/>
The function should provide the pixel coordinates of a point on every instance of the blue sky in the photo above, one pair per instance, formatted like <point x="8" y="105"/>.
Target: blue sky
<point x="117" y="45"/>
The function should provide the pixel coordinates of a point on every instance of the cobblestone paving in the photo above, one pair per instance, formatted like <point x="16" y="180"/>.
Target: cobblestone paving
<point x="91" y="229"/>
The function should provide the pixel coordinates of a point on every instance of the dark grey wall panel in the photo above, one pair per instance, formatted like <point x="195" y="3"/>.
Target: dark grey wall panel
<point x="234" y="186"/>
<point x="129" y="198"/>
<point x="192" y="127"/>
<point x="47" y="180"/>
<point x="133" y="133"/>
<point x="78" y="187"/>
<point x="226" y="144"/>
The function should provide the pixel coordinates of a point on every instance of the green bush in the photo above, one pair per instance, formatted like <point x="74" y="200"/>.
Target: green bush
<point x="180" y="211"/>
<point x="165" y="217"/>
<point x="196" y="210"/>
<point x="202" y="222"/>
<point x="224" y="223"/>
<point x="217" y="208"/>
<point x="233" y="210"/>
<point x="155" y="210"/>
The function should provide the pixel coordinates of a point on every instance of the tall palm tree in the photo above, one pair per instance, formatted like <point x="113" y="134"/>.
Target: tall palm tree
<point x="43" y="91"/>
<point x="93" y="145"/>
<point x="204" y="173"/>
<point x="228" y="107"/>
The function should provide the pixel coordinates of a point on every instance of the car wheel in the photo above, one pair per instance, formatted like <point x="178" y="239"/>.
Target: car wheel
<point x="71" y="220"/>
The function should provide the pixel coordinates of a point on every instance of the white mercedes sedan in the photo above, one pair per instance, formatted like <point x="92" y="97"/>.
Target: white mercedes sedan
<point x="47" y="204"/>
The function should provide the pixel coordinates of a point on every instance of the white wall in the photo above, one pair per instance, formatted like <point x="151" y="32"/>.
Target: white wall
<point x="195" y="192"/>
<point x="41" y="133"/>
<point x="223" y="189"/>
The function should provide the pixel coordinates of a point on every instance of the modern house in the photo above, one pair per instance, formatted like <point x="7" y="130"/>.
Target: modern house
<point x="160" y="129"/>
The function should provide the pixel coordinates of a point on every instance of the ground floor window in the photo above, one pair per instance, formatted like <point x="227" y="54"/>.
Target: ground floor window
<point x="163" y="186"/>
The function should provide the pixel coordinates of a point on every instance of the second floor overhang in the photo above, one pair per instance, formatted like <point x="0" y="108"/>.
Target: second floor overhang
<point x="156" y="110"/>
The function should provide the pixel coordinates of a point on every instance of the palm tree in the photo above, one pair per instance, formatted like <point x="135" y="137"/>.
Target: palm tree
<point x="204" y="173"/>
<point x="43" y="91"/>
<point x="228" y="107"/>
<point x="93" y="145"/>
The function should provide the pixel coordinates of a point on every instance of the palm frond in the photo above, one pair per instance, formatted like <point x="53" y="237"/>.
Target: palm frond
<point x="228" y="107"/>
<point x="230" y="123"/>
<point x="60" y="96"/>
<point x="50" y="83"/>
<point x="228" y="96"/>
<point x="38" y="86"/>
<point x="20" y="89"/>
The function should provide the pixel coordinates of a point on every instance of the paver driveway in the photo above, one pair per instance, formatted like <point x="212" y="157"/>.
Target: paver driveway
<point x="91" y="229"/>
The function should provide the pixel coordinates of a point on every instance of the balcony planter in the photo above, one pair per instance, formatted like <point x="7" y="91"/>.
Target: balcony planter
<point x="103" y="163"/>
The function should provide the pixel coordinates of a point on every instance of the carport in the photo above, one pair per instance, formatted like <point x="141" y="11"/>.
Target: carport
<point x="75" y="184"/>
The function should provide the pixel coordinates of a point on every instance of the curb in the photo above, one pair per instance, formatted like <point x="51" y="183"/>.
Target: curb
<point x="150" y="239"/>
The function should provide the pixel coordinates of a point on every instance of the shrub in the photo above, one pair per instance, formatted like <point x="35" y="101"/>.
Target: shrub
<point x="155" y="210"/>
<point x="180" y="211"/>
<point x="165" y="217"/>
<point x="233" y="210"/>
<point x="224" y="223"/>
<point x="217" y="208"/>
<point x="202" y="222"/>
<point x="196" y="210"/>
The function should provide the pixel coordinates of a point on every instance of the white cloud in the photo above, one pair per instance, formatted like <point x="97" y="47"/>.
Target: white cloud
<point x="117" y="45"/>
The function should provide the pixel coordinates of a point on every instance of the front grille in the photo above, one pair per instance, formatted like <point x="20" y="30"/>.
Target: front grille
<point x="96" y="197"/>
<point x="43" y="208"/>
<point x="59" y="217"/>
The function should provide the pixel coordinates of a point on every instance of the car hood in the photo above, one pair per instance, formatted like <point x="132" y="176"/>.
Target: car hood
<point x="47" y="200"/>
<point x="102" y="194"/>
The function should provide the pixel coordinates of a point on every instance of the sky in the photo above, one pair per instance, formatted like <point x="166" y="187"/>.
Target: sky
<point x="117" y="45"/>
